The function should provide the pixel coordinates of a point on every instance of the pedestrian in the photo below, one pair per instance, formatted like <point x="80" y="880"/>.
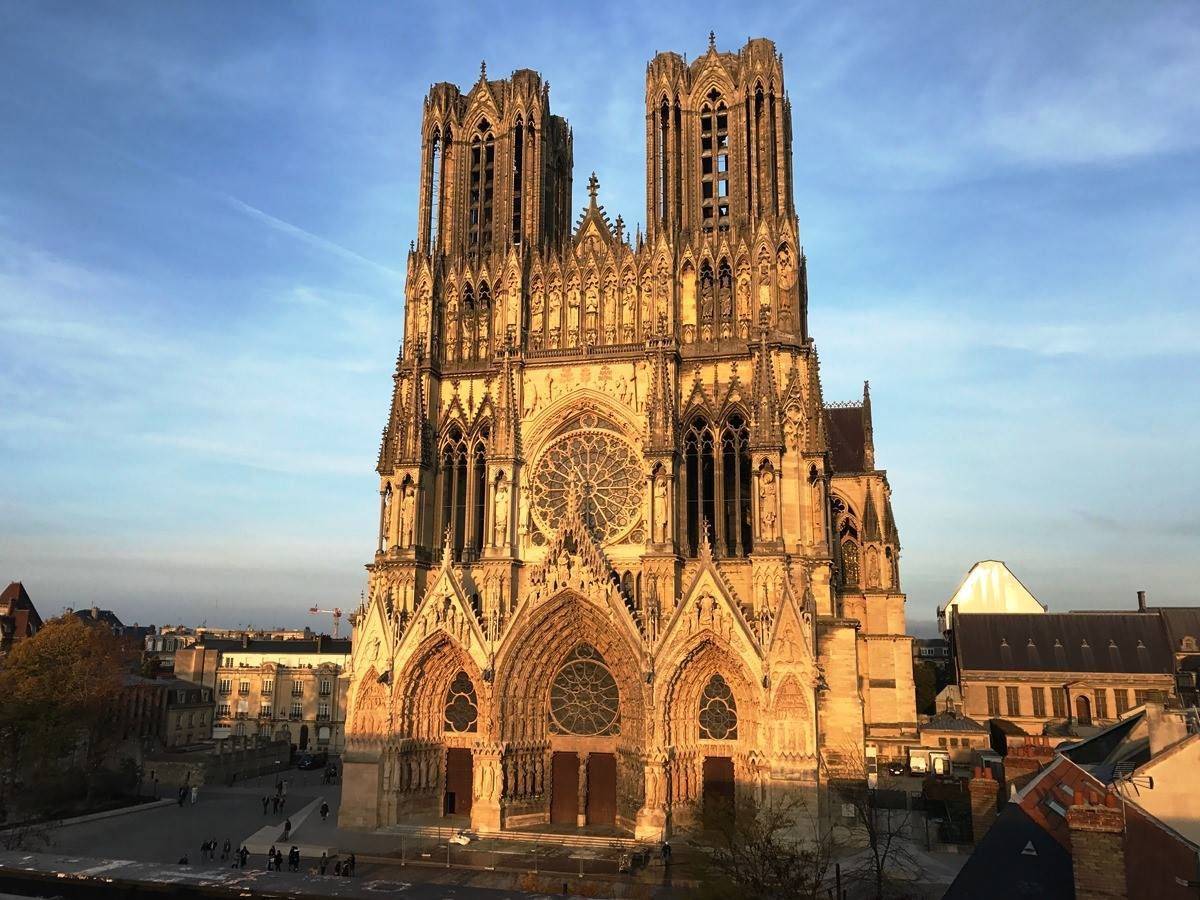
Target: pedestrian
<point x="278" y="787"/>
<point x="324" y="861"/>
<point x="351" y="861"/>
<point x="266" y="802"/>
<point x="337" y="868"/>
<point x="243" y="855"/>
<point x="283" y="787"/>
<point x="182" y="795"/>
<point x="212" y="850"/>
<point x="287" y="829"/>
<point x="183" y="861"/>
<point x="203" y="850"/>
<point x="324" y="810"/>
<point x="271" y="858"/>
<point x="294" y="856"/>
<point x="275" y="805"/>
<point x="225" y="848"/>
<point x="195" y="793"/>
<point x="282" y="802"/>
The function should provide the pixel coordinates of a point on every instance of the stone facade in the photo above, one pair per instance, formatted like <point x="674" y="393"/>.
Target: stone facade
<point x="629" y="561"/>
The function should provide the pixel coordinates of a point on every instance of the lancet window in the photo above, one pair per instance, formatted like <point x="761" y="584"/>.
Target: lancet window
<point x="714" y="163"/>
<point x="463" y="476"/>
<point x="717" y="484"/>
<point x="434" y="189"/>
<point x="462" y="705"/>
<point x="848" y="539"/>
<point x="662" y="158"/>
<point x="718" y="711"/>
<point x="518" y="174"/>
<point x="482" y="185"/>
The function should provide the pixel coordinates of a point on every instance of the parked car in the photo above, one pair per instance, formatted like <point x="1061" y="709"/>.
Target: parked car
<point x="312" y="760"/>
<point x="896" y="769"/>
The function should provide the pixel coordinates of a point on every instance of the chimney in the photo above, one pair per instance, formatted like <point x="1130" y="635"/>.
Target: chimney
<point x="1141" y="601"/>
<point x="1097" y="848"/>
<point x="985" y="794"/>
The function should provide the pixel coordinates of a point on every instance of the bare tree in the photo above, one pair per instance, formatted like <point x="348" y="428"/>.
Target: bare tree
<point x="879" y="819"/>
<point x="777" y="848"/>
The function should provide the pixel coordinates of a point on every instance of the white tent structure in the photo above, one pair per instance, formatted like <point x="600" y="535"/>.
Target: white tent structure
<point x="990" y="587"/>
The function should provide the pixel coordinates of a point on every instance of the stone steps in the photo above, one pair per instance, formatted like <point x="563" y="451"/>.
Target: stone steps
<point x="591" y="841"/>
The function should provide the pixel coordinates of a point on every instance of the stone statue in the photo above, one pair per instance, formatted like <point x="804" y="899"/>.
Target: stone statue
<point x="408" y="503"/>
<point x="662" y="514"/>
<point x="500" y="523"/>
<point x="767" y="490"/>
<point x="764" y="282"/>
<point x="787" y="274"/>
<point x="385" y="516"/>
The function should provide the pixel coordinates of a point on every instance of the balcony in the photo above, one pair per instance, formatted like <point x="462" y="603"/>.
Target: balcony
<point x="225" y="690"/>
<point x="244" y="691"/>
<point x="267" y="691"/>
<point x="296" y="717"/>
<point x="264" y="713"/>
<point x="322" y="717"/>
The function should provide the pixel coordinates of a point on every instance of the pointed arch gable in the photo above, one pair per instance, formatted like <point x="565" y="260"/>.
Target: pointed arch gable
<point x="445" y="608"/>
<point x="710" y="611"/>
<point x="422" y="685"/>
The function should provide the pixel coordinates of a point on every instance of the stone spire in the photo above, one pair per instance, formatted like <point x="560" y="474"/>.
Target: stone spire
<point x="764" y="417"/>
<point x="868" y="430"/>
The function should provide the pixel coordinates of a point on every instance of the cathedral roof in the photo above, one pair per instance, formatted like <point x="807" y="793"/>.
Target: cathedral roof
<point x="847" y="437"/>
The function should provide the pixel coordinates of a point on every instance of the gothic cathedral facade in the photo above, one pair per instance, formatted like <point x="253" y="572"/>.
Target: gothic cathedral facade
<point x="630" y="561"/>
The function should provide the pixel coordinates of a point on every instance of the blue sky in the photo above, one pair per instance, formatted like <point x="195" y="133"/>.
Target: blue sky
<point x="205" y="210"/>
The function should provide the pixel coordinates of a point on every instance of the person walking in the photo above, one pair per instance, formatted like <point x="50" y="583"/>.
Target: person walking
<point x="282" y="802"/>
<point x="337" y="868"/>
<point x="225" y="848"/>
<point x="324" y="862"/>
<point x="243" y="855"/>
<point x="183" y="792"/>
<point x="275" y="805"/>
<point x="183" y="860"/>
<point x="271" y="858"/>
<point x="351" y="861"/>
<point x="203" y="851"/>
<point x="266" y="803"/>
<point x="295" y="858"/>
<point x="287" y="829"/>
<point x="324" y="810"/>
<point x="195" y="793"/>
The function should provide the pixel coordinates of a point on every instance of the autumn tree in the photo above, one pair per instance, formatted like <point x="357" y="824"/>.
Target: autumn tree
<point x="59" y="695"/>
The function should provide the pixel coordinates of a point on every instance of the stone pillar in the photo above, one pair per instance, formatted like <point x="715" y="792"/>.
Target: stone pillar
<point x="581" y="817"/>
<point x="985" y="793"/>
<point x="651" y="823"/>
<point x="488" y="777"/>
<point x="1097" y="848"/>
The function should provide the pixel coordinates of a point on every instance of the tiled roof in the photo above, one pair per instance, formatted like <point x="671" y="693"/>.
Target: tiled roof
<point x="1112" y="642"/>
<point x="948" y="721"/>
<point x="1016" y="858"/>
<point x="1182" y="622"/>
<point x="332" y="646"/>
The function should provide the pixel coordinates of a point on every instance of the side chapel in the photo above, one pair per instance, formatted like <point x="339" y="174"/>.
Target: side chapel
<point x="630" y="562"/>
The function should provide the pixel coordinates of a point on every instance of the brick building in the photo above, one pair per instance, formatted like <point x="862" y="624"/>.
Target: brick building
<point x="19" y="618"/>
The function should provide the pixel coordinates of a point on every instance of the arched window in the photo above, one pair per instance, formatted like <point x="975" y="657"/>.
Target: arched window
<point x="584" y="699"/>
<point x="725" y="292"/>
<point x="518" y="155"/>
<point x="482" y="183"/>
<point x="718" y="711"/>
<point x="454" y="488"/>
<point x="1083" y="710"/>
<point x="483" y="323"/>
<point x="478" y="490"/>
<point x="849" y="563"/>
<point x="664" y="128"/>
<point x="735" y="482"/>
<point x="462" y="706"/>
<point x="699" y="480"/>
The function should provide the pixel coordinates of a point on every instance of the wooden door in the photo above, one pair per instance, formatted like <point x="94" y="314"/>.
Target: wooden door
<point x="718" y="789"/>
<point x="601" y="789"/>
<point x="564" y="789"/>
<point x="459" y="776"/>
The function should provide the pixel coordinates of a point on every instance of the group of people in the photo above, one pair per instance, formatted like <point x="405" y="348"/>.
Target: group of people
<point x="208" y="851"/>
<point x="330" y="774"/>
<point x="185" y="792"/>
<point x="275" y="860"/>
<point x="341" y="868"/>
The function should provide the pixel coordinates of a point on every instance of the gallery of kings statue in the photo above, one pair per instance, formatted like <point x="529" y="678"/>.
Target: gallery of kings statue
<point x="630" y="562"/>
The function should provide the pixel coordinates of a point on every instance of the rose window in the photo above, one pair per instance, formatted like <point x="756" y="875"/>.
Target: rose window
<point x="583" y="698"/>
<point x="602" y="468"/>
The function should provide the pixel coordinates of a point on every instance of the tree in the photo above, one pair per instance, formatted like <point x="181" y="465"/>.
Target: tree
<point x="880" y="818"/>
<point x="59" y="693"/>
<point x="773" y="849"/>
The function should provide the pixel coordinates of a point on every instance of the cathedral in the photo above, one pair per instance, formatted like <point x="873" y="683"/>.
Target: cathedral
<point x="630" y="562"/>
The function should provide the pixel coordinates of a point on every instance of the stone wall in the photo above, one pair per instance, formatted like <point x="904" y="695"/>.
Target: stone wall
<point x="230" y="760"/>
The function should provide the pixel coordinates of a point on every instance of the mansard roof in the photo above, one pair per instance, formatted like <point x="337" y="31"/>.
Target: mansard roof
<point x="1108" y="642"/>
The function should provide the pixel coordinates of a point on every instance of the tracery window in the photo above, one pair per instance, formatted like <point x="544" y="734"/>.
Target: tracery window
<point x="664" y="120"/>
<point x="462" y="706"/>
<point x="602" y="467"/>
<point x="718" y="711"/>
<point x="453" y="475"/>
<point x="479" y="490"/>
<point x="584" y="699"/>
<point x="846" y="530"/>
<point x="518" y="151"/>
<point x="717" y="485"/>
<point x="849" y="563"/>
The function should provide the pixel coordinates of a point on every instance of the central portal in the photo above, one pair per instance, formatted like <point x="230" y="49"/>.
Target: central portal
<point x="718" y="789"/>
<point x="601" y="789"/>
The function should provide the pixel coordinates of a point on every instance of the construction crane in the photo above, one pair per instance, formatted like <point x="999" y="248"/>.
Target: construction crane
<point x="335" y="612"/>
